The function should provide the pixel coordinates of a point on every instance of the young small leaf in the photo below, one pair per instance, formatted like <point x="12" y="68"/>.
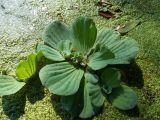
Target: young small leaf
<point x="50" y="53"/>
<point x="123" y="98"/>
<point x="91" y="77"/>
<point x="61" y="78"/>
<point x="111" y="77"/>
<point x="93" y="97"/>
<point x="9" y="85"/>
<point x="26" y="69"/>
<point x="100" y="59"/>
<point x="88" y="109"/>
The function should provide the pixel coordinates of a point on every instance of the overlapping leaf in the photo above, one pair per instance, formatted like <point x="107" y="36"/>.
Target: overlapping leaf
<point x="100" y="59"/>
<point x="50" y="53"/>
<point x="111" y="77"/>
<point x="123" y="50"/>
<point x="56" y="32"/>
<point x="93" y="97"/>
<point x="61" y="78"/>
<point x="9" y="85"/>
<point x="123" y="98"/>
<point x="74" y="103"/>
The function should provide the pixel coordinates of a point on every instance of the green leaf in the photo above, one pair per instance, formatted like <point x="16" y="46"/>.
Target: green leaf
<point x="39" y="56"/>
<point x="50" y="53"/>
<point x="27" y="69"/>
<point x="111" y="77"/>
<point x="123" y="98"/>
<point x="123" y="50"/>
<point x="85" y="32"/>
<point x="128" y="26"/>
<point x="95" y="94"/>
<point x="91" y="77"/>
<point x="74" y="103"/>
<point x="9" y="85"/>
<point x="88" y="109"/>
<point x="107" y="36"/>
<point x="65" y="46"/>
<point x="93" y="97"/>
<point x="101" y="59"/>
<point x="56" y="32"/>
<point x="61" y="78"/>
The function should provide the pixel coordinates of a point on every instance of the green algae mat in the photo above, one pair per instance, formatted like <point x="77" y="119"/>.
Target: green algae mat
<point x="143" y="75"/>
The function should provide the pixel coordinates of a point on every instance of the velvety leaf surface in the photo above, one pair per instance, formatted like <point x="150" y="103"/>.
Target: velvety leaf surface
<point x="93" y="96"/>
<point x="65" y="46"/>
<point x="85" y="32"/>
<point x="9" y="85"/>
<point x="124" y="50"/>
<point x="123" y="98"/>
<point x="99" y="60"/>
<point x="93" y="78"/>
<point x="74" y="103"/>
<point x="26" y="69"/>
<point x="61" y="78"/>
<point x="56" y="32"/>
<point x="50" y="53"/>
<point x="88" y="109"/>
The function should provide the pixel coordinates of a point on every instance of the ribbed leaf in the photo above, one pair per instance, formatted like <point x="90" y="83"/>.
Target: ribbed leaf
<point x="9" y="85"/>
<point x="26" y="69"/>
<point x="65" y="46"/>
<point x="93" y="78"/>
<point x="88" y="109"/>
<point x="123" y="98"/>
<point x="50" y="53"/>
<point x="61" y="78"/>
<point x="56" y="32"/>
<point x="74" y="103"/>
<point x="93" y="97"/>
<point x="99" y="60"/>
<point x="124" y="50"/>
<point x="95" y="94"/>
<point x="85" y="32"/>
<point x="107" y="36"/>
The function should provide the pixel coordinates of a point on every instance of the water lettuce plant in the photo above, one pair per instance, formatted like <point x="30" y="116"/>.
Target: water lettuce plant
<point x="82" y="71"/>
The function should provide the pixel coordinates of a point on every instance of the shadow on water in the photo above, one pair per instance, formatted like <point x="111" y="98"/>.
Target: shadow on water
<point x="135" y="112"/>
<point x="35" y="91"/>
<point x="14" y="105"/>
<point x="56" y="104"/>
<point x="132" y="75"/>
<point x="55" y="100"/>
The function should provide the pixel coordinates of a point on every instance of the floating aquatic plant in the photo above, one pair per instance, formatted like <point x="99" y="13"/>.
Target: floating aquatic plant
<point x="81" y="71"/>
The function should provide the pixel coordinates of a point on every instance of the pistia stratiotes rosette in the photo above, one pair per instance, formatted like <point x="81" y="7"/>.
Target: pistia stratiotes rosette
<point x="78" y="53"/>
